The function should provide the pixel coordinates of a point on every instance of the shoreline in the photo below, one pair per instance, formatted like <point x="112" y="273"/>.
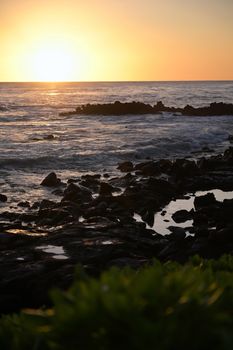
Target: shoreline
<point x="94" y="225"/>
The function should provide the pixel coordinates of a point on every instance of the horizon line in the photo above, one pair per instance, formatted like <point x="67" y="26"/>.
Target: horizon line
<point x="114" y="81"/>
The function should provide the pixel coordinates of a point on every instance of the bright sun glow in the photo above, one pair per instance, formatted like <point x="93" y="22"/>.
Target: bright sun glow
<point x="51" y="63"/>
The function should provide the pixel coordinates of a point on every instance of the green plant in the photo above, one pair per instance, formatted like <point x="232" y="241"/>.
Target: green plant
<point x="163" y="306"/>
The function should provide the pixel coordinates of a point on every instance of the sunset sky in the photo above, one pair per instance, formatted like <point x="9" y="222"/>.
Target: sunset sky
<point x="102" y="40"/>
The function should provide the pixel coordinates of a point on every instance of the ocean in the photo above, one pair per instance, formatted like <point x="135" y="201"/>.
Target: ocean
<point x="35" y="140"/>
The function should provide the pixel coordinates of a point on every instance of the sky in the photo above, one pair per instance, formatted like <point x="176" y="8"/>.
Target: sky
<point x="116" y="40"/>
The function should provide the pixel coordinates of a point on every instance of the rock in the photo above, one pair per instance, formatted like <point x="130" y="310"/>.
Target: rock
<point x="58" y="192"/>
<point x="150" y="169"/>
<point x="230" y="138"/>
<point x="3" y="198"/>
<point x="182" y="215"/>
<point x="106" y="189"/>
<point x="77" y="193"/>
<point x="125" y="167"/>
<point x="199" y="245"/>
<point x="207" y="149"/>
<point x="91" y="177"/>
<point x="148" y="217"/>
<point x="201" y="231"/>
<point x="90" y="181"/>
<point x="204" y="201"/>
<point x="49" y="137"/>
<point x="51" y="180"/>
<point x="184" y="168"/>
<point x="178" y="233"/>
<point x="45" y="204"/>
<point x="54" y="216"/>
<point x="119" y="108"/>
<point x="224" y="235"/>
<point x="165" y="165"/>
<point x="160" y="186"/>
<point x="72" y="181"/>
<point x="25" y="204"/>
<point x="228" y="156"/>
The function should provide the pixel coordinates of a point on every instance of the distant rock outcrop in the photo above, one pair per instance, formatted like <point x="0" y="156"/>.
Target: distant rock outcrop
<point x="120" y="108"/>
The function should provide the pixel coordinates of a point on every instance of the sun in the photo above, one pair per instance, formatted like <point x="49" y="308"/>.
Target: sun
<point x="52" y="63"/>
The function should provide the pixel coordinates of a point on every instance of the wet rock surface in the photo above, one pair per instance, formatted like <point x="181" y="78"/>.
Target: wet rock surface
<point x="93" y="224"/>
<point x="51" y="180"/>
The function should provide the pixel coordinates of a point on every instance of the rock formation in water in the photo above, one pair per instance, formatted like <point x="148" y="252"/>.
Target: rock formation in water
<point x="120" y="108"/>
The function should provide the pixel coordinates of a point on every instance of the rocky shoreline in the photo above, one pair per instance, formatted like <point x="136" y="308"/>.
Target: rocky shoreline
<point x="120" y="108"/>
<point x="93" y="224"/>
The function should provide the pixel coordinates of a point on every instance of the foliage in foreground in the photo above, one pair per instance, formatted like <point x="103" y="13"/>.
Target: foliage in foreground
<point x="159" y="307"/>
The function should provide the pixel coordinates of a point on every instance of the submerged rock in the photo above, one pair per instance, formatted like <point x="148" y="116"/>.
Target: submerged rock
<point x="3" y="198"/>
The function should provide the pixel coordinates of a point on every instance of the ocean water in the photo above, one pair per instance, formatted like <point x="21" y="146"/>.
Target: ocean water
<point x="35" y="140"/>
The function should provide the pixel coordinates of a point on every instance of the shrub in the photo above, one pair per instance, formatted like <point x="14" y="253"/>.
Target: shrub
<point x="164" y="306"/>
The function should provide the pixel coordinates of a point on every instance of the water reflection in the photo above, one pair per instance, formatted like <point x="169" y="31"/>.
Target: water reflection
<point x="163" y="219"/>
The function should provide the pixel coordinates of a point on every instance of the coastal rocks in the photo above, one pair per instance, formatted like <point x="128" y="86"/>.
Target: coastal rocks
<point x="228" y="156"/>
<point x="120" y="108"/>
<point x="214" y="109"/>
<point x="125" y="167"/>
<point x="184" y="168"/>
<point x="116" y="108"/>
<point x="3" y="198"/>
<point x="230" y="138"/>
<point x="182" y="216"/>
<point x="51" y="180"/>
<point x="97" y="227"/>
<point x="24" y="204"/>
<point x="77" y="193"/>
<point x="204" y="201"/>
<point x="149" y="168"/>
<point x="106" y="189"/>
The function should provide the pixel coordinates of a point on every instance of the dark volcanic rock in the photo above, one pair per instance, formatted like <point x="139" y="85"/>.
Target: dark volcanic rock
<point x="184" y="167"/>
<point x="25" y="204"/>
<point x="51" y="180"/>
<point x="100" y="231"/>
<point x="119" y="108"/>
<point x="3" y="198"/>
<point x="228" y="156"/>
<point x="125" y="167"/>
<point x="178" y="233"/>
<point x="230" y="138"/>
<point x="77" y="193"/>
<point x="116" y="108"/>
<point x="106" y="189"/>
<point x="148" y="168"/>
<point x="182" y="215"/>
<point x="204" y="201"/>
<point x="214" y="109"/>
